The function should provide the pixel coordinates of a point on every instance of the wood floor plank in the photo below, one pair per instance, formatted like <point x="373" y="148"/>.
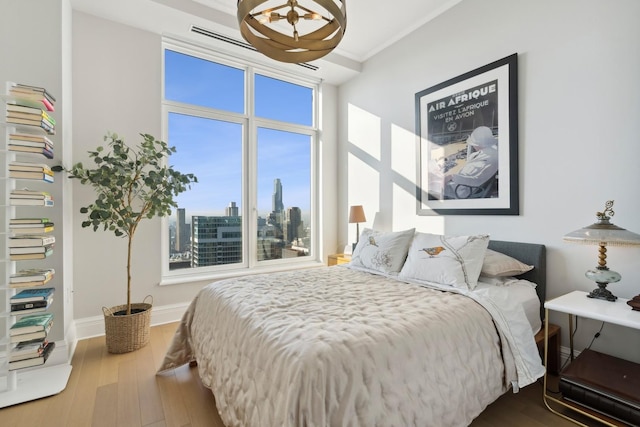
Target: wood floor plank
<point x="151" y="410"/>
<point x="198" y="399"/>
<point x="85" y="394"/>
<point x="104" y="414"/>
<point x="175" y="412"/>
<point x="56" y="410"/>
<point x="128" y="405"/>
<point x="108" y="367"/>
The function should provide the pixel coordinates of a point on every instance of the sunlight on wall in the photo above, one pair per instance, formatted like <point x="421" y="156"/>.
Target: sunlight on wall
<point x="364" y="131"/>
<point x="363" y="163"/>
<point x="404" y="176"/>
<point x="382" y="177"/>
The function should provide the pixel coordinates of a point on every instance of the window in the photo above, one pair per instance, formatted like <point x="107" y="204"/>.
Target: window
<point x="249" y="135"/>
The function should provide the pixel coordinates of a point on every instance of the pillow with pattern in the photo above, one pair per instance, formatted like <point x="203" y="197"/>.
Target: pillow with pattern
<point x="447" y="260"/>
<point x="497" y="264"/>
<point x="383" y="251"/>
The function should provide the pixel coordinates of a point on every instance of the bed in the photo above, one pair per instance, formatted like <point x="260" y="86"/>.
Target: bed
<point x="369" y="343"/>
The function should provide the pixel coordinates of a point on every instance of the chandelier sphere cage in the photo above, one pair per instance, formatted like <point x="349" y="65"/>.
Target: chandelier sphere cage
<point x="262" y="26"/>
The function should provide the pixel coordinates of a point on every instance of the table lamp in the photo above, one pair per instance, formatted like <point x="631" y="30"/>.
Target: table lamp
<point x="356" y="214"/>
<point x="603" y="233"/>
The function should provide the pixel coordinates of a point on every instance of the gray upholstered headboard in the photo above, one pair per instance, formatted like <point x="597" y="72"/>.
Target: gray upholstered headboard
<point x="532" y="254"/>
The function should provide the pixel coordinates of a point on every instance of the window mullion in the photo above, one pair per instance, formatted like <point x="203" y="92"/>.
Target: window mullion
<point x="251" y="177"/>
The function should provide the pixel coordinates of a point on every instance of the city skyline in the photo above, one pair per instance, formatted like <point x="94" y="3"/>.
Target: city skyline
<point x="282" y="154"/>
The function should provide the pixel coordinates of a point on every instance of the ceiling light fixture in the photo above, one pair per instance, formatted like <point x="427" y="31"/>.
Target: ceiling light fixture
<point x="306" y="35"/>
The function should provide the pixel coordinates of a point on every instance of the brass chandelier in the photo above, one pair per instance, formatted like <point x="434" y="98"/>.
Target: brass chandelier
<point x="266" y="29"/>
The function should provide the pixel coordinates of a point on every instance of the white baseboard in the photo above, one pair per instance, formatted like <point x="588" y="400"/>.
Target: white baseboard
<point x="89" y="327"/>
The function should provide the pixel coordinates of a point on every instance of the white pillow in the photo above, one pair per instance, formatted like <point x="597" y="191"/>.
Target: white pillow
<point x="447" y="260"/>
<point x="382" y="251"/>
<point x="497" y="264"/>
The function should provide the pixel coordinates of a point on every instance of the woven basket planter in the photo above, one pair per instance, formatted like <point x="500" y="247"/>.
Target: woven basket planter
<point x="127" y="332"/>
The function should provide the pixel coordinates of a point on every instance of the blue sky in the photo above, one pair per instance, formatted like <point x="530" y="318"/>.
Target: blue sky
<point x="283" y="155"/>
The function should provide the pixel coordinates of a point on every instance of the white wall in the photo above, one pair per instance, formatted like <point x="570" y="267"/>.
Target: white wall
<point x="117" y="87"/>
<point x="579" y="133"/>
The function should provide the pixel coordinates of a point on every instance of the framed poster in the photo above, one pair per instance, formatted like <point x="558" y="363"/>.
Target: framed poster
<point x="467" y="145"/>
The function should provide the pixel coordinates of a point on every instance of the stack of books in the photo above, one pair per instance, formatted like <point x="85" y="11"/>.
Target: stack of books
<point x="30" y="198"/>
<point x="30" y="353"/>
<point x="24" y="115"/>
<point x="30" y="247"/>
<point x="30" y="335"/>
<point x="27" y="143"/>
<point x="31" y="277"/>
<point x="30" y="225"/>
<point x="31" y="301"/>
<point x="25" y="170"/>
<point x="32" y="96"/>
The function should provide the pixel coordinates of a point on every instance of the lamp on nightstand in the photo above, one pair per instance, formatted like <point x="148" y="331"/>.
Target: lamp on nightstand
<point x="356" y="214"/>
<point x="603" y="233"/>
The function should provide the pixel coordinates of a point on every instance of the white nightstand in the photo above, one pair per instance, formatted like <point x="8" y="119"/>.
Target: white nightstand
<point x="576" y="303"/>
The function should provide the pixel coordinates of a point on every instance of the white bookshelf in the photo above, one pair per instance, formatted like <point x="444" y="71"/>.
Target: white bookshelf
<point x="21" y="385"/>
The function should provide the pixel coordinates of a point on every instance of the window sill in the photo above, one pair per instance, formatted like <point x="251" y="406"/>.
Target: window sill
<point x="215" y="276"/>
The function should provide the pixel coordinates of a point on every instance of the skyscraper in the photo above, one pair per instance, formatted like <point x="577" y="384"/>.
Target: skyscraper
<point x="278" y="206"/>
<point x="216" y="240"/>
<point x="293" y="224"/>
<point x="181" y="231"/>
<point x="231" y="210"/>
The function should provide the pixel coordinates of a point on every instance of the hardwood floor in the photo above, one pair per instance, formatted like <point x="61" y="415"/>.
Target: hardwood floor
<point x="123" y="390"/>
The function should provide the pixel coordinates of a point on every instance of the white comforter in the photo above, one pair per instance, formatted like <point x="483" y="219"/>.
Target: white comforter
<point x="338" y="347"/>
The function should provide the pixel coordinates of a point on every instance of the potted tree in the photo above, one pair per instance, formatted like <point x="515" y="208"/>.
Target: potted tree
<point x="131" y="184"/>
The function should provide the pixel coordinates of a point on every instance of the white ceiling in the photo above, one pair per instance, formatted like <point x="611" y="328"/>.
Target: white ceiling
<point x="372" y="25"/>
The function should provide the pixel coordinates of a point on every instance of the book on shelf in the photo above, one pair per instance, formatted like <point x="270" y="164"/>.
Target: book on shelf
<point x="31" y="98"/>
<point x="30" y="241"/>
<point x="40" y="115"/>
<point x="30" y="167"/>
<point x="33" y="230"/>
<point x="28" y="221"/>
<point x="15" y="108"/>
<point x="30" y="202"/>
<point x="28" y="250"/>
<point x="30" y="194"/>
<point x="31" y="111"/>
<point x="34" y="89"/>
<point x="31" y="175"/>
<point x="45" y="125"/>
<point x="31" y="307"/>
<point x="31" y="275"/>
<point x="29" y="137"/>
<point x="21" y="227"/>
<point x="31" y="335"/>
<point x="31" y="101"/>
<point x="30" y="284"/>
<point x="35" y="361"/>
<point x="31" y="225"/>
<point x="21" y="149"/>
<point x="31" y="323"/>
<point x="27" y="350"/>
<point x="25" y="257"/>
<point x="30" y="144"/>
<point x="28" y="295"/>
